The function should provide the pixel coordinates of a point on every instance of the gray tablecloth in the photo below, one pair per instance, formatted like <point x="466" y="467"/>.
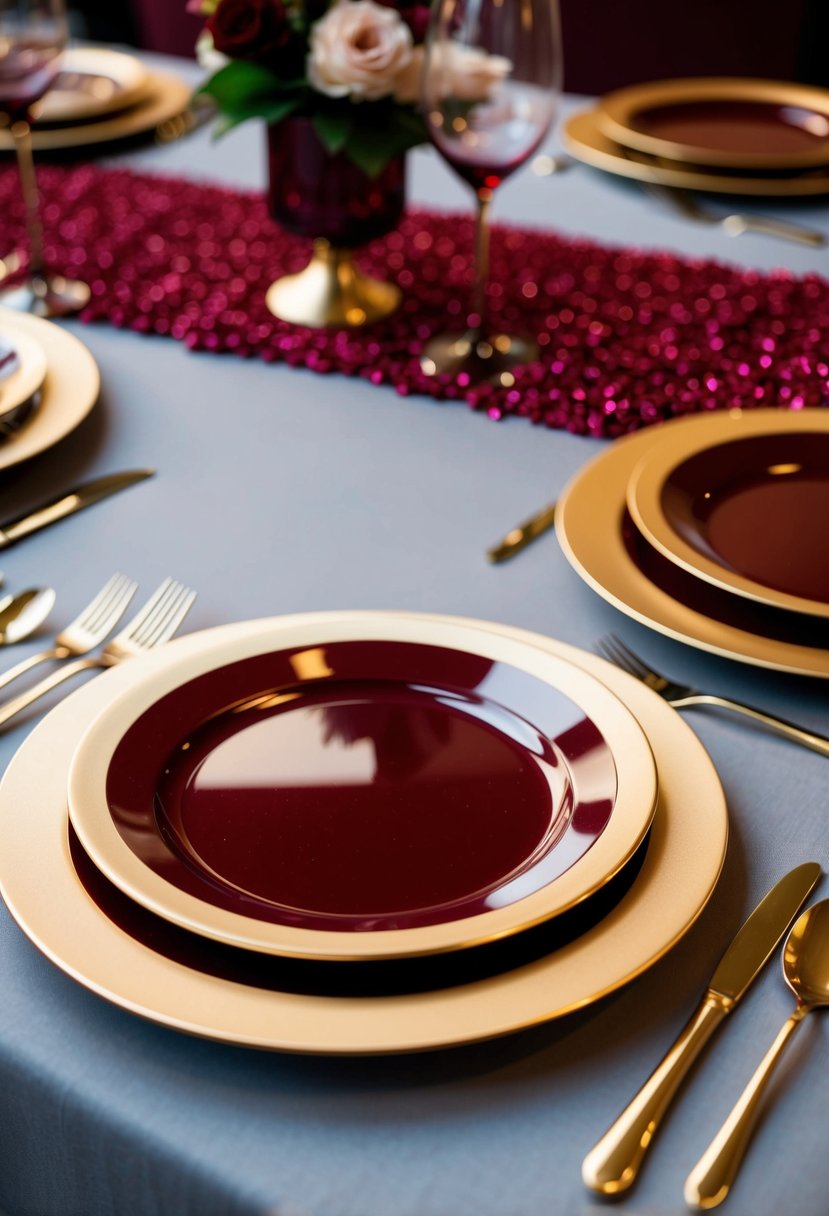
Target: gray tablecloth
<point x="282" y="491"/>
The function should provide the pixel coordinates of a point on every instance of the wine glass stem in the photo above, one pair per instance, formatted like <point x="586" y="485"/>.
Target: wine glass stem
<point x="484" y="198"/>
<point x="22" y="135"/>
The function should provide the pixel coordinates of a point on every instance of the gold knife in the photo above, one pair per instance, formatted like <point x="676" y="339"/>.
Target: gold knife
<point x="68" y="503"/>
<point x="523" y="535"/>
<point x="611" y="1167"/>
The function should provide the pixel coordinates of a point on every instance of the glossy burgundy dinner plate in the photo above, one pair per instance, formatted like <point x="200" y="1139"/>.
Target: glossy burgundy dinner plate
<point x="741" y="504"/>
<point x="729" y="122"/>
<point x="414" y="796"/>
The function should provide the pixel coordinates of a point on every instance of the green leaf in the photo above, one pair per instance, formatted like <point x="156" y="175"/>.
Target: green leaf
<point x="272" y="111"/>
<point x="238" y="82"/>
<point x="373" y="143"/>
<point x="334" y="128"/>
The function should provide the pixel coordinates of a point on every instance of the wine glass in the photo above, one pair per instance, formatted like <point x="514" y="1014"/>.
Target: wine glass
<point x="490" y="88"/>
<point x="33" y="34"/>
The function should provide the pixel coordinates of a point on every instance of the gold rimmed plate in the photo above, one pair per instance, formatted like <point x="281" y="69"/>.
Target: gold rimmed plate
<point x="606" y="549"/>
<point x="583" y="136"/>
<point x="137" y="973"/>
<point x="362" y="786"/>
<point x="725" y="122"/>
<point x="740" y="501"/>
<point x="68" y="391"/>
<point x="92" y="82"/>
<point x="22" y="372"/>
<point x="166" y="97"/>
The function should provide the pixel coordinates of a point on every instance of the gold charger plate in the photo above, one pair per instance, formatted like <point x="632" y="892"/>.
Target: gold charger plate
<point x="165" y="98"/>
<point x="741" y="123"/>
<point x="519" y="901"/>
<point x="69" y="390"/>
<point x="91" y="82"/>
<point x="584" y="138"/>
<point x="590" y="528"/>
<point x="679" y="873"/>
<point x="697" y="436"/>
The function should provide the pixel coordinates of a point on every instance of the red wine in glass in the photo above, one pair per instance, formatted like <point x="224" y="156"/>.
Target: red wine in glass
<point x="33" y="34"/>
<point x="490" y="89"/>
<point x="27" y="69"/>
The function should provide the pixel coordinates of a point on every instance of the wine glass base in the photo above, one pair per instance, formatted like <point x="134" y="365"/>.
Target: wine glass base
<point x="52" y="297"/>
<point x="331" y="292"/>
<point x="491" y="358"/>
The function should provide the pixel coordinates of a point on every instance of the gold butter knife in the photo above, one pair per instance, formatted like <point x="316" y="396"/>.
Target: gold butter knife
<point x="612" y="1166"/>
<point x="518" y="538"/>
<point x="68" y="503"/>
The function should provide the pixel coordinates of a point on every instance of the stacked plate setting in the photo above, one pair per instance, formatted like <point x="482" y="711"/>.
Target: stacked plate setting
<point x="49" y="382"/>
<point x="730" y="135"/>
<point x="709" y="529"/>
<point x="359" y="832"/>
<point x="101" y="96"/>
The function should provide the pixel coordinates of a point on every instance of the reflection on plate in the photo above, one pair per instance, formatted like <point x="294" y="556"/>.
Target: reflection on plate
<point x="375" y="787"/>
<point x="727" y="122"/>
<point x="51" y="905"/>
<point x="165" y="97"/>
<point x="21" y="376"/>
<point x="740" y="501"/>
<point x="619" y="564"/>
<point x="69" y="391"/>
<point x="92" y="81"/>
<point x="584" y="138"/>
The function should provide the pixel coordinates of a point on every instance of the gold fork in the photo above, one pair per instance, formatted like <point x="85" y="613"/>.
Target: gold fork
<point x="681" y="696"/>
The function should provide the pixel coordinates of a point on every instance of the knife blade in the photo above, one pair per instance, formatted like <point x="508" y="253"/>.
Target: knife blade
<point x="522" y="535"/>
<point x="69" y="503"/>
<point x="612" y="1166"/>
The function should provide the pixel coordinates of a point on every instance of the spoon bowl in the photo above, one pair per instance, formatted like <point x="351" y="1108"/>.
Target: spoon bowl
<point x="22" y="614"/>
<point x="806" y="971"/>
<point x="806" y="956"/>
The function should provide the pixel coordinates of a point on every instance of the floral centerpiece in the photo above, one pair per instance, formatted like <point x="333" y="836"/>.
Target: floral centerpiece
<point x="352" y="67"/>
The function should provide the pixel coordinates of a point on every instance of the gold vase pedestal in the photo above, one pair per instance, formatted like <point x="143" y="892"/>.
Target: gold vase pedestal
<point x="325" y="196"/>
<point x="332" y="292"/>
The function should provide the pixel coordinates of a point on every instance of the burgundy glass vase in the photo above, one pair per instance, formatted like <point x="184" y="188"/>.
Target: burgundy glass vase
<point x="326" y="197"/>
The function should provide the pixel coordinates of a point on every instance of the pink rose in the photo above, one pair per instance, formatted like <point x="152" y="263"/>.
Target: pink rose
<point x="358" y="49"/>
<point x="463" y="73"/>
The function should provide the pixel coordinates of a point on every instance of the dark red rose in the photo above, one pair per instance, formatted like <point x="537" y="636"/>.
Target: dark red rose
<point x="251" y="29"/>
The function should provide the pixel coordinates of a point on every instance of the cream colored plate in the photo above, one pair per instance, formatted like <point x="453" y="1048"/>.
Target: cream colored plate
<point x="21" y="384"/>
<point x="584" y="138"/>
<point x="617" y="116"/>
<point x="589" y="528"/>
<point x="39" y="884"/>
<point x="166" y="97"/>
<point x="683" y="438"/>
<point x="93" y="81"/>
<point x="70" y="388"/>
<point x="629" y="821"/>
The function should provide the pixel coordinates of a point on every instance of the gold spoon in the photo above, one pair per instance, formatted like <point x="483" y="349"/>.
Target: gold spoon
<point x="20" y="615"/>
<point x="806" y="971"/>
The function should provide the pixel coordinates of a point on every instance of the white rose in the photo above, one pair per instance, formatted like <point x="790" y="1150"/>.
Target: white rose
<point x="464" y="73"/>
<point x="206" y="54"/>
<point x="360" y="49"/>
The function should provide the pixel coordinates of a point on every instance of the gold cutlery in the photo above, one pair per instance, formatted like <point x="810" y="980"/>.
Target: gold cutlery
<point x="154" y="624"/>
<point x="198" y="114"/>
<point x="681" y="696"/>
<point x="518" y="538"/>
<point x="806" y="971"/>
<point x="68" y="503"/>
<point x="612" y="1166"/>
<point x="86" y="631"/>
<point x="686" y="204"/>
<point x="21" y="615"/>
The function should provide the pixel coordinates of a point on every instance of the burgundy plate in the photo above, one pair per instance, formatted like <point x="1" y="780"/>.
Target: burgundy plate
<point x="399" y="785"/>
<point x="756" y="506"/>
<point x="700" y="596"/>
<point x="725" y="125"/>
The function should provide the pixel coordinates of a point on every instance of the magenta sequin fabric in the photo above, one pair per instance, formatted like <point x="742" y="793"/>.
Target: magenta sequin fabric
<point x="627" y="337"/>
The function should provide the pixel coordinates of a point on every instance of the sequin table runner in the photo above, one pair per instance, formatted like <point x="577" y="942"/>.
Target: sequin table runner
<point x="627" y="337"/>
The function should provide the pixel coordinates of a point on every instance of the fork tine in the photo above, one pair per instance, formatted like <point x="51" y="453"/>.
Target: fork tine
<point x="117" y="591"/>
<point x="175" y="616"/>
<point x="154" y="628"/>
<point x="626" y="658"/>
<point x="160" y="616"/>
<point x="134" y="626"/>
